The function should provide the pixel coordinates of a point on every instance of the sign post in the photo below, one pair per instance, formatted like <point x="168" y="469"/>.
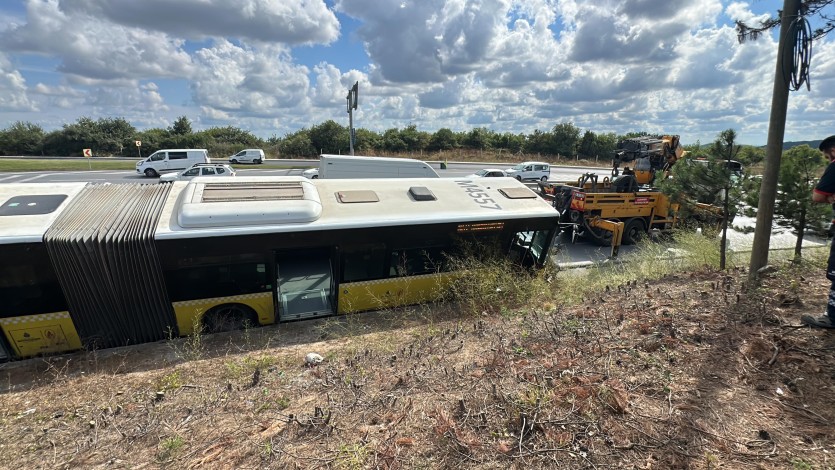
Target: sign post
<point x="353" y="93"/>
<point x="139" y="148"/>
<point x="88" y="153"/>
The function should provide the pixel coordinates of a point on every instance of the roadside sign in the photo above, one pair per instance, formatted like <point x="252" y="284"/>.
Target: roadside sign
<point x="88" y="153"/>
<point x="139" y="143"/>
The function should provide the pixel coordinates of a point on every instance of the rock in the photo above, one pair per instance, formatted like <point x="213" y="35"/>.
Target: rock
<point x="312" y="359"/>
<point x="767" y="269"/>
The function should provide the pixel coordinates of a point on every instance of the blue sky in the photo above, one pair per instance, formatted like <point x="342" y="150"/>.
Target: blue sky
<point x="275" y="66"/>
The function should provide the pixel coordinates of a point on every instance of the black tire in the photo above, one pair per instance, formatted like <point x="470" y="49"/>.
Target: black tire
<point x="314" y="177"/>
<point x="543" y="179"/>
<point x="258" y="161"/>
<point x="633" y="230"/>
<point x="150" y="172"/>
<point x="229" y="317"/>
<point x="233" y="161"/>
<point x="519" y="178"/>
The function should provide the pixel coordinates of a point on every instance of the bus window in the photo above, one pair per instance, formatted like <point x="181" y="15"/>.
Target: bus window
<point x="218" y="281"/>
<point x="364" y="262"/>
<point x="529" y="246"/>
<point x="412" y="261"/>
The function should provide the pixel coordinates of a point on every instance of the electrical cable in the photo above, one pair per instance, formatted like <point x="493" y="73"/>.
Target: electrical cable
<point x="801" y="50"/>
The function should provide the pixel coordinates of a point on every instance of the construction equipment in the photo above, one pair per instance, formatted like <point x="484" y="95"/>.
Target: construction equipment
<point x="650" y="154"/>
<point x="610" y="211"/>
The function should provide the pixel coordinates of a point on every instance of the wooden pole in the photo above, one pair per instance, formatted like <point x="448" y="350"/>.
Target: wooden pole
<point x="774" y="146"/>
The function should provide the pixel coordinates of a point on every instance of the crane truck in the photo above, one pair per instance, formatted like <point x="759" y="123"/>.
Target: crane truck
<point x="648" y="155"/>
<point x="623" y="208"/>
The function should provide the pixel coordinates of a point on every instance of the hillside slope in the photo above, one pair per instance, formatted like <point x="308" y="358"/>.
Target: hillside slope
<point x="685" y="372"/>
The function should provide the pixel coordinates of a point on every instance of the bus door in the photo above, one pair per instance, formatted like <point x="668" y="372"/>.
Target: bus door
<point x="304" y="284"/>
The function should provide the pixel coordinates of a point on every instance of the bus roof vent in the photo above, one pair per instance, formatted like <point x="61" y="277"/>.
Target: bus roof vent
<point x="518" y="193"/>
<point x="218" y="202"/>
<point x="350" y="197"/>
<point x="252" y="191"/>
<point x="422" y="193"/>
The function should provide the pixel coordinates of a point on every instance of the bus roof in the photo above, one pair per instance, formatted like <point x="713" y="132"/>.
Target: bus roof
<point x="251" y="204"/>
<point x="28" y="209"/>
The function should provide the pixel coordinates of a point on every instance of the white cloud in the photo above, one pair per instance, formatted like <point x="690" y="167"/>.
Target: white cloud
<point x="247" y="82"/>
<point x="512" y="65"/>
<point x="93" y="49"/>
<point x="13" y="96"/>
<point x="275" y="21"/>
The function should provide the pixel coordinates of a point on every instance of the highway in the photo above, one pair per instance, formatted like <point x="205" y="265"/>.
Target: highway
<point x="269" y="168"/>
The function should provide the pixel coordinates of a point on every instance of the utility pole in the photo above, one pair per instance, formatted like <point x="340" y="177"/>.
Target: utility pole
<point x="774" y="146"/>
<point x="353" y="94"/>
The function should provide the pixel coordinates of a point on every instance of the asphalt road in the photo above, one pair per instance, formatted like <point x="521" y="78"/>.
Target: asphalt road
<point x="269" y="168"/>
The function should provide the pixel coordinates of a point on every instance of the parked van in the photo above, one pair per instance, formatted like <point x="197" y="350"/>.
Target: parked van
<point x="164" y="161"/>
<point x="349" y="166"/>
<point x="530" y="171"/>
<point x="248" y="156"/>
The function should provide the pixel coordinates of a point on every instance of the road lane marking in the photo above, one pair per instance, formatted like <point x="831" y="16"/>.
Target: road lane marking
<point x="28" y="180"/>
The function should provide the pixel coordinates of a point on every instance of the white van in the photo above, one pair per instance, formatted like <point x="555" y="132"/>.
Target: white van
<point x="164" y="161"/>
<point x="530" y="171"/>
<point x="248" y="156"/>
<point x="349" y="166"/>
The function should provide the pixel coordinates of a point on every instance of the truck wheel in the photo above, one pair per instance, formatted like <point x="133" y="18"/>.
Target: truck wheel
<point x="150" y="173"/>
<point x="543" y="179"/>
<point x="258" y="161"/>
<point x="519" y="178"/>
<point x="233" y="161"/>
<point x="633" y="230"/>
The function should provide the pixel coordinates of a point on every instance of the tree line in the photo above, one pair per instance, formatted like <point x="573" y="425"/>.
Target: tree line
<point x="116" y="137"/>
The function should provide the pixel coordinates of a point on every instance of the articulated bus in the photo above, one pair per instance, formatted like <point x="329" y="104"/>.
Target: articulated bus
<point x="86" y="265"/>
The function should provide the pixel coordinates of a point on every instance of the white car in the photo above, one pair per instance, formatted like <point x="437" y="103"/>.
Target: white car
<point x="248" y="156"/>
<point x="530" y="171"/>
<point x="199" y="169"/>
<point x="312" y="173"/>
<point x="488" y="173"/>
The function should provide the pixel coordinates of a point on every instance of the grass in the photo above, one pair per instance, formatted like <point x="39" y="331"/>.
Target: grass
<point x="19" y="165"/>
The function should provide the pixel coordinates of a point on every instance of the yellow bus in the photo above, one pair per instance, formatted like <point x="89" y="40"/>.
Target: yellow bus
<point x="87" y="265"/>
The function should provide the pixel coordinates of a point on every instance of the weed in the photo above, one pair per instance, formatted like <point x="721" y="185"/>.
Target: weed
<point x="169" y="448"/>
<point x="352" y="456"/>
<point x="170" y="382"/>
<point x="800" y="464"/>
<point x="711" y="461"/>
<point x="192" y="347"/>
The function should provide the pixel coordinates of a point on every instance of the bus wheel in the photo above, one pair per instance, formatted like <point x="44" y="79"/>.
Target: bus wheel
<point x="229" y="317"/>
<point x="633" y="230"/>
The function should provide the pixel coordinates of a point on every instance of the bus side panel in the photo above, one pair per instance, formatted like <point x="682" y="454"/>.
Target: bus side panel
<point x="31" y="335"/>
<point x="392" y="292"/>
<point x="188" y="312"/>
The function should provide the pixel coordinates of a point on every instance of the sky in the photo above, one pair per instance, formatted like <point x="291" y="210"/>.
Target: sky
<point x="273" y="67"/>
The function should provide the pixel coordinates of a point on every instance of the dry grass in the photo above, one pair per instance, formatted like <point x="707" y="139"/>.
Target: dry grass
<point x="688" y="370"/>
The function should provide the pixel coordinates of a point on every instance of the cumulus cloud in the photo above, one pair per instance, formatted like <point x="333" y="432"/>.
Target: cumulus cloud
<point x="13" y="96"/>
<point x="512" y="65"/>
<point x="279" y="21"/>
<point x="237" y="79"/>
<point x="90" y="48"/>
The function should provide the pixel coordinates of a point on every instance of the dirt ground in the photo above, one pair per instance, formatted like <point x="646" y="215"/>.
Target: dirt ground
<point x="692" y="371"/>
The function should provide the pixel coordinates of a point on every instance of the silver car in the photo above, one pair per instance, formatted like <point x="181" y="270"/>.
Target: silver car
<point x="199" y="169"/>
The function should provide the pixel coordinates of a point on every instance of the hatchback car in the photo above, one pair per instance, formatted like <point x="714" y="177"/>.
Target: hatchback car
<point x="199" y="169"/>
<point x="488" y="173"/>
